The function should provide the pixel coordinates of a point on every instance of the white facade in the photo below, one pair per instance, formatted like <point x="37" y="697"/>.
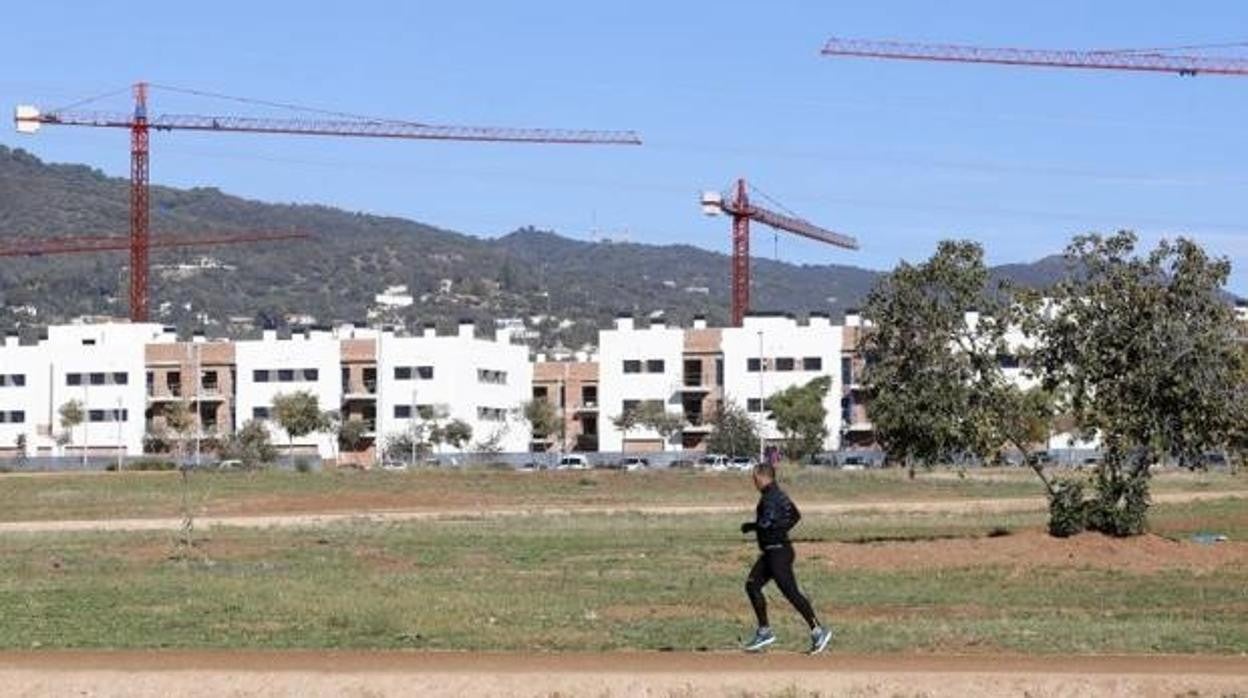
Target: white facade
<point x="270" y="366"/>
<point x="100" y="365"/>
<point x="646" y="364"/>
<point x="637" y="364"/>
<point x="792" y="354"/>
<point x="483" y="382"/>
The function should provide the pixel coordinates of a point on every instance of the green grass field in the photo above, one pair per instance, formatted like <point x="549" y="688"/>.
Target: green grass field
<point x="117" y="495"/>
<point x="597" y="582"/>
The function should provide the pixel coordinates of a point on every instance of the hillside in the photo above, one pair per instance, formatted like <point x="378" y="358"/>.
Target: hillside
<point x="353" y="256"/>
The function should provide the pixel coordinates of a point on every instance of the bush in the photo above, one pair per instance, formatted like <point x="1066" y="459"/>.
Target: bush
<point x="1068" y="510"/>
<point x="145" y="466"/>
<point x="303" y="465"/>
<point x="1120" y="509"/>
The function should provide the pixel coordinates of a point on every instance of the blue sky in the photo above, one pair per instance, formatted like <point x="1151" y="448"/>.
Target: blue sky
<point x="900" y="155"/>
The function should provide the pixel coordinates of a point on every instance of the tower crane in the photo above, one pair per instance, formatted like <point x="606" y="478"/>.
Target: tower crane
<point x="29" y="119"/>
<point x="737" y="204"/>
<point x="1156" y="60"/>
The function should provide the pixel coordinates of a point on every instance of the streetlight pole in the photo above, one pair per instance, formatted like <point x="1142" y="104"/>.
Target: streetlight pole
<point x="762" y="401"/>
<point x="413" y="425"/>
<point x="199" y="404"/>
<point x="120" y="446"/>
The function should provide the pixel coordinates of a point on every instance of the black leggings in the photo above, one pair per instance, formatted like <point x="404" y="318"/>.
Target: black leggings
<point x="777" y="563"/>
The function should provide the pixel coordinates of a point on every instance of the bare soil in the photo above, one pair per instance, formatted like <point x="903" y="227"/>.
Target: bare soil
<point x="314" y="674"/>
<point x="273" y="511"/>
<point x="1032" y="549"/>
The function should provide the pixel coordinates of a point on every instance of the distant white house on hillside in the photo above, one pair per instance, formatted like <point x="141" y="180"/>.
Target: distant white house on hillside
<point x="394" y="297"/>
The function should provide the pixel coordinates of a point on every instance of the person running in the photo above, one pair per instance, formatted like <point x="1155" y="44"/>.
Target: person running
<point x="773" y="517"/>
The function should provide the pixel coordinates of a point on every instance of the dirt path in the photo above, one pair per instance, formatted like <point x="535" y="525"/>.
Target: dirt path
<point x="961" y="506"/>
<point x="313" y="674"/>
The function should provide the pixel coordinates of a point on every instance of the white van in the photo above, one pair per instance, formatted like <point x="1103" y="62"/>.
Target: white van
<point x="573" y="461"/>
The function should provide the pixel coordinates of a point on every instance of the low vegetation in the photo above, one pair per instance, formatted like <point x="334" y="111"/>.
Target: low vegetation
<point x="588" y="583"/>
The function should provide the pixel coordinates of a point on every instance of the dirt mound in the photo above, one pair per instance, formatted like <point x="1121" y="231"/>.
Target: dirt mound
<point x="1030" y="549"/>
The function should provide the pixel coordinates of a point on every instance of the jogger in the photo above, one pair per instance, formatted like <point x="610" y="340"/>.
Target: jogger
<point x="773" y="517"/>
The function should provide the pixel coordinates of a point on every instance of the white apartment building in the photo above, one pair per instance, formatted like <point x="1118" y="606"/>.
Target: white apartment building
<point x="308" y="361"/>
<point x="693" y="371"/>
<point x="483" y="382"/>
<point x="637" y="364"/>
<point x="99" y="365"/>
<point x="770" y="353"/>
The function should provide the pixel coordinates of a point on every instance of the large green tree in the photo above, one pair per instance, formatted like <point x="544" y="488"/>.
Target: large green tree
<point x="933" y="375"/>
<point x="1141" y="349"/>
<point x="801" y="417"/>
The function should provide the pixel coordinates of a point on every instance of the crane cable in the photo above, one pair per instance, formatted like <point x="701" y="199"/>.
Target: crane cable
<point x="284" y="105"/>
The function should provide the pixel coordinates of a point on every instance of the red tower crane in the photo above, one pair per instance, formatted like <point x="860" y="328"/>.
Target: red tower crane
<point x="1160" y="60"/>
<point x="29" y="119"/>
<point x="737" y="204"/>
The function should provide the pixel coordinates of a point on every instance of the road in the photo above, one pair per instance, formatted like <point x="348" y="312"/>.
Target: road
<point x="315" y="674"/>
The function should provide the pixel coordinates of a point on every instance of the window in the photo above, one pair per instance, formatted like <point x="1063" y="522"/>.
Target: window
<point x="259" y="413"/>
<point x="121" y="378"/>
<point x="589" y="395"/>
<point x="812" y="363"/>
<point x="14" y="380"/>
<point x="402" y="411"/>
<point x="485" y="375"/>
<point x="755" y="405"/>
<point x="97" y="379"/>
<point x="405" y="373"/>
<point x="785" y="364"/>
<point x="847" y="370"/>
<point x="654" y="366"/>
<point x="753" y="365"/>
<point x="98" y="416"/>
<point x="632" y="366"/>
<point x="88" y="342"/>
<point x="311" y="374"/>
<point x="14" y="417"/>
<point x="1008" y="361"/>
<point x="73" y="379"/>
<point x="491" y="414"/>
<point x="540" y="392"/>
<point x="286" y="375"/>
<point x="210" y="380"/>
<point x="260" y="376"/>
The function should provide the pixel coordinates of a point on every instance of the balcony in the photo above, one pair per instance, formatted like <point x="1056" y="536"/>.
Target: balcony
<point x="696" y="423"/>
<point x="694" y="383"/>
<point x="360" y="390"/>
<point x="588" y="406"/>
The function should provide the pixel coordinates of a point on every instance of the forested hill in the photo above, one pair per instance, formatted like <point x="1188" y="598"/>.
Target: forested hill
<point x="353" y="256"/>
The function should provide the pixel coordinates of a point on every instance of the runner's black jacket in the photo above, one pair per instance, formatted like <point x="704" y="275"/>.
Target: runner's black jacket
<point x="773" y="517"/>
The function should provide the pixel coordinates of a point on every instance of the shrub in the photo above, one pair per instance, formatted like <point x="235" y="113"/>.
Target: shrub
<point x="1068" y="511"/>
<point x="1120" y="509"/>
<point x="303" y="465"/>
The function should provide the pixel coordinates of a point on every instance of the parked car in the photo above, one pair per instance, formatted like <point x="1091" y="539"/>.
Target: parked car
<point x="574" y="461"/>
<point x="682" y="464"/>
<point x="634" y="463"/>
<point x="230" y="464"/>
<point x="713" y="461"/>
<point x="742" y="463"/>
<point x="854" y="463"/>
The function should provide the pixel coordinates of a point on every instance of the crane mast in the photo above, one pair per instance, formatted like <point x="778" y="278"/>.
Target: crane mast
<point x="742" y="210"/>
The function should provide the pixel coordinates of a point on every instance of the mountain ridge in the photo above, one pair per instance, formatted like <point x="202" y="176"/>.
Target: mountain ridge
<point x="572" y="286"/>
